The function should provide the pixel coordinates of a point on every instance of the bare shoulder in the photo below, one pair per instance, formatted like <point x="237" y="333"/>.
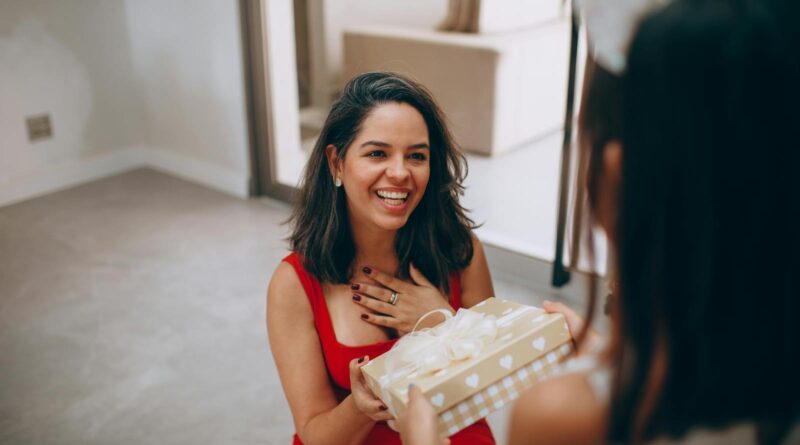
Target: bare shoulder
<point x="476" y="280"/>
<point x="561" y="410"/>
<point x="286" y="294"/>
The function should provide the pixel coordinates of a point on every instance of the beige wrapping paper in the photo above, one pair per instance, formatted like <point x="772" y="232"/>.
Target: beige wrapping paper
<point x="528" y="344"/>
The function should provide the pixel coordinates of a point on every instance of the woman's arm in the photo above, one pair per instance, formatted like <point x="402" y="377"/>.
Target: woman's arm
<point x="476" y="281"/>
<point x="295" y="345"/>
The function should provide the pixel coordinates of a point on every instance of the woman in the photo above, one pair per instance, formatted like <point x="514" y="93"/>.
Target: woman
<point x="379" y="239"/>
<point x="691" y="178"/>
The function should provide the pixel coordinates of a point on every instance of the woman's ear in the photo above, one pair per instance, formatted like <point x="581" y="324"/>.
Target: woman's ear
<point x="334" y="164"/>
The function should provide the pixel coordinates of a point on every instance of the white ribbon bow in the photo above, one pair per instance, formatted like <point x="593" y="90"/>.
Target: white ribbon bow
<point x="459" y="337"/>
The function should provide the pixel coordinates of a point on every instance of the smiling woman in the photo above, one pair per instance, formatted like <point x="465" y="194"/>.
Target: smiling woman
<point x="379" y="238"/>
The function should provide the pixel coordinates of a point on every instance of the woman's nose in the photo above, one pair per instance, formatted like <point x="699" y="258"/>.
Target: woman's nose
<point x="397" y="170"/>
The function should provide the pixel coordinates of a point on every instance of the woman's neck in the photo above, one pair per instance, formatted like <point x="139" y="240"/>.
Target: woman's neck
<point x="375" y="248"/>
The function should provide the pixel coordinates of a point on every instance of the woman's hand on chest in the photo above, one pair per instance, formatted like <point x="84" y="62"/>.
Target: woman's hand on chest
<point x="348" y="327"/>
<point x="396" y="304"/>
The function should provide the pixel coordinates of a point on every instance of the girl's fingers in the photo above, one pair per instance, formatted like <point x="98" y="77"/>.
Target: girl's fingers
<point x="381" y="320"/>
<point x="376" y="292"/>
<point x="574" y="321"/>
<point x="355" y="368"/>
<point x="374" y="305"/>
<point x="387" y="280"/>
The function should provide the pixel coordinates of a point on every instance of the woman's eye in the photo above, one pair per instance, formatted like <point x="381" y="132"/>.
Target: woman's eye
<point x="376" y="154"/>
<point x="418" y="156"/>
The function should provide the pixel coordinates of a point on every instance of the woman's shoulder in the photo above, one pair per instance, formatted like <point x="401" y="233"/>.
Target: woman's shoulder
<point x="286" y="291"/>
<point x="475" y="279"/>
<point x="560" y="410"/>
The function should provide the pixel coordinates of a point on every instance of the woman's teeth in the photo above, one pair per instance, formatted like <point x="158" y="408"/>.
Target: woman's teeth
<point x="393" y="198"/>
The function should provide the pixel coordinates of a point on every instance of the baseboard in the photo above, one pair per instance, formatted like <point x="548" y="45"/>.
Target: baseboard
<point x="53" y="178"/>
<point x="223" y="179"/>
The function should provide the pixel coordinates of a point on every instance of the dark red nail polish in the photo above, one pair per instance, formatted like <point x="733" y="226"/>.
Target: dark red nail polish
<point x="367" y="270"/>
<point x="364" y="316"/>
<point x="361" y="360"/>
<point x="356" y="297"/>
<point x="354" y="286"/>
<point x="383" y="407"/>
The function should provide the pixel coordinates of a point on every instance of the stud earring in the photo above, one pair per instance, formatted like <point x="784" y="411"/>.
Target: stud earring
<point x="337" y="182"/>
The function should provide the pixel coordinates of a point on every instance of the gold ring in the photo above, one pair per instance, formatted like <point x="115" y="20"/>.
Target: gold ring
<point x="393" y="299"/>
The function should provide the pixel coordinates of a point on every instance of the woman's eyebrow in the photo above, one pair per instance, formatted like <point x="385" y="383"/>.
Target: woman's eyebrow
<point x="377" y="143"/>
<point x="420" y="145"/>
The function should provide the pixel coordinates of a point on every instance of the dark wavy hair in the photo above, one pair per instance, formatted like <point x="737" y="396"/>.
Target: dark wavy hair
<point x="707" y="251"/>
<point x="436" y="237"/>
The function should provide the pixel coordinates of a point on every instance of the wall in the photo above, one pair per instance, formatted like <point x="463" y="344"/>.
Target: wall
<point x="128" y="83"/>
<point x="68" y="59"/>
<point x="187" y="55"/>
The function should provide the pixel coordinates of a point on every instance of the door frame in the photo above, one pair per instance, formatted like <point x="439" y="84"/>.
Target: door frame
<point x="260" y="115"/>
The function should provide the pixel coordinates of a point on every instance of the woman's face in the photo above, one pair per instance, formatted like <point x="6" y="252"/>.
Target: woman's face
<point x="386" y="169"/>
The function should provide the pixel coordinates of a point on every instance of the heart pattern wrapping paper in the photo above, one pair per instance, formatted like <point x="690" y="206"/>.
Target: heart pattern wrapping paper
<point x="528" y="345"/>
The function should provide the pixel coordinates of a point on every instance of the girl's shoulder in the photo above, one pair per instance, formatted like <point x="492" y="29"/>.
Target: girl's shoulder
<point x="560" y="410"/>
<point x="286" y="291"/>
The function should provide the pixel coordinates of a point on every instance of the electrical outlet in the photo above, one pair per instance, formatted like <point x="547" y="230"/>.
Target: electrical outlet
<point x="39" y="127"/>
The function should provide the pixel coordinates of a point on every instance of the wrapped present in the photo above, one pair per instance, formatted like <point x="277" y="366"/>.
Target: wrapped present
<point x="473" y="363"/>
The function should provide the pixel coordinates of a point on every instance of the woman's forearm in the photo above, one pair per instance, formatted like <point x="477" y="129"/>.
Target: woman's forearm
<point x="345" y="425"/>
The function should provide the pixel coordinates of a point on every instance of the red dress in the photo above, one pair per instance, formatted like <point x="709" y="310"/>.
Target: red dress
<point x="338" y="357"/>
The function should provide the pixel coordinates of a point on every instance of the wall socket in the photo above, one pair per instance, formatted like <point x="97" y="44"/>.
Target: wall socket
<point x="39" y="127"/>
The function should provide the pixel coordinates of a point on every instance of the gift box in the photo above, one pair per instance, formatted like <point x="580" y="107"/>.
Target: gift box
<point x="473" y="363"/>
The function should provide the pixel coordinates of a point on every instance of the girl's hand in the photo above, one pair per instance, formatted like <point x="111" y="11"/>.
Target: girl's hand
<point x="418" y="424"/>
<point x="363" y="397"/>
<point x="411" y="300"/>
<point x="593" y="341"/>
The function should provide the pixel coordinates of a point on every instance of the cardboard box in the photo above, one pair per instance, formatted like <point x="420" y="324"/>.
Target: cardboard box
<point x="473" y="363"/>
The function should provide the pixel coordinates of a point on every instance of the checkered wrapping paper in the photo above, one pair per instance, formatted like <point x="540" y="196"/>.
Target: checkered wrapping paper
<point x="502" y="392"/>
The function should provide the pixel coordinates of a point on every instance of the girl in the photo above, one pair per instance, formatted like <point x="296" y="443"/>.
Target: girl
<point x="379" y="239"/>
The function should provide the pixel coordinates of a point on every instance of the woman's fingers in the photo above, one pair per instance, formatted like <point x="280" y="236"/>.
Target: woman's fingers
<point x="574" y="321"/>
<point x="418" y="403"/>
<point x="374" y="305"/>
<point x="385" y="279"/>
<point x="382" y="320"/>
<point x="365" y="400"/>
<point x="376" y="292"/>
<point x="355" y="368"/>
<point x="418" y="424"/>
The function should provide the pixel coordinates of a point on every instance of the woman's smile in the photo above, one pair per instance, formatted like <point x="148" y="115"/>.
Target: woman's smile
<point x="395" y="200"/>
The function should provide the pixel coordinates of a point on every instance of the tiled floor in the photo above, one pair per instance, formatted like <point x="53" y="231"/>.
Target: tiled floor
<point x="132" y="311"/>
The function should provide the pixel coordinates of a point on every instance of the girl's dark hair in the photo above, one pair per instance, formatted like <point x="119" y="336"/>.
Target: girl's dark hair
<point x="707" y="249"/>
<point x="436" y="237"/>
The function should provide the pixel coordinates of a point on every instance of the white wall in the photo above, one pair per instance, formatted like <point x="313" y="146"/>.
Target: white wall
<point x="187" y="56"/>
<point x="128" y="83"/>
<point x="68" y="59"/>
